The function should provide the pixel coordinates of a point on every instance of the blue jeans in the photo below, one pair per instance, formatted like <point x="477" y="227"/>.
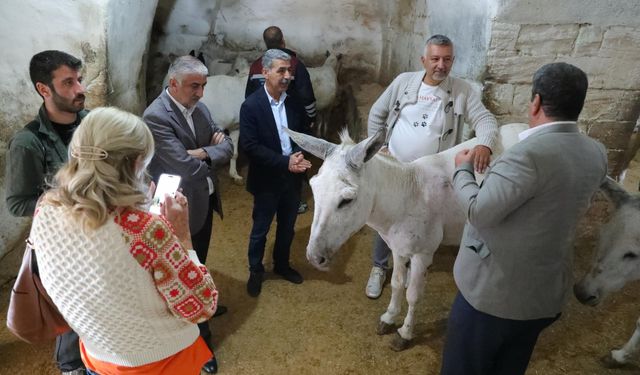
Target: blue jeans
<point x="67" y="353"/>
<point x="89" y="372"/>
<point x="266" y="205"/>
<point x="380" y="253"/>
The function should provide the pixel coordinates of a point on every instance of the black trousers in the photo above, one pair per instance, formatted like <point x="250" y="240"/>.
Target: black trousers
<point x="201" y="241"/>
<point x="284" y="205"/>
<point x="67" y="353"/>
<point x="483" y="344"/>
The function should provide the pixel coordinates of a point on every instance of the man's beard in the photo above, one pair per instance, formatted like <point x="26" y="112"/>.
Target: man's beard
<point x="439" y="76"/>
<point x="74" y="105"/>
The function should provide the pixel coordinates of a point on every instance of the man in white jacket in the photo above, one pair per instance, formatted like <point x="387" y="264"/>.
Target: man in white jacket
<point x="424" y="113"/>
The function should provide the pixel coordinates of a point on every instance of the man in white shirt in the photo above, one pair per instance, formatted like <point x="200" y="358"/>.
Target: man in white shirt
<point x="424" y="113"/>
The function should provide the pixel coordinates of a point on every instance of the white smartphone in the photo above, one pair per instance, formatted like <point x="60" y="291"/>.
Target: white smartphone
<point x="167" y="184"/>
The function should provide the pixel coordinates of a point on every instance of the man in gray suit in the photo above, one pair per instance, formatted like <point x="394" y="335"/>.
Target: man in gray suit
<point x="514" y="266"/>
<point x="189" y="144"/>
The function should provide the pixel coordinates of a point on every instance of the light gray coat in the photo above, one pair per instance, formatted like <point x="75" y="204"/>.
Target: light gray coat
<point x="516" y="256"/>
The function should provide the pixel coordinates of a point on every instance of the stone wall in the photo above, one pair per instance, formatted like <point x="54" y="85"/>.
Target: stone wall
<point x="28" y="27"/>
<point x="109" y="36"/>
<point x="605" y="44"/>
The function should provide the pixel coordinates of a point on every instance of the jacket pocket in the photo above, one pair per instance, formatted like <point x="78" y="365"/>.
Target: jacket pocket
<point x="478" y="247"/>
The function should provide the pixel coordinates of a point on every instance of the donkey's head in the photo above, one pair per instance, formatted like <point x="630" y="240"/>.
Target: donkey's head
<point x="618" y="254"/>
<point x="342" y="196"/>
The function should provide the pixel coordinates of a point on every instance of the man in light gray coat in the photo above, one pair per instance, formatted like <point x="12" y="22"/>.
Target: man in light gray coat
<point x="189" y="144"/>
<point x="514" y="266"/>
<point x="424" y="112"/>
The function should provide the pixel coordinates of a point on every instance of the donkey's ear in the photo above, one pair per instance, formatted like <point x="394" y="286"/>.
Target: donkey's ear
<point x="316" y="146"/>
<point x="615" y="192"/>
<point x="201" y="58"/>
<point x="192" y="53"/>
<point x="363" y="151"/>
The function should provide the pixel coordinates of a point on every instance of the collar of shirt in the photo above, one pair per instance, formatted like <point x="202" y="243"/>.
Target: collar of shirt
<point x="527" y="133"/>
<point x="186" y="112"/>
<point x="272" y="101"/>
<point x="280" y="117"/>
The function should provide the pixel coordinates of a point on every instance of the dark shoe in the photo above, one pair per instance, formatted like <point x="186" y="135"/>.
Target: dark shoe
<point x="78" y="371"/>
<point x="254" y="285"/>
<point x="289" y="274"/>
<point x="303" y="207"/>
<point x="211" y="367"/>
<point x="221" y="310"/>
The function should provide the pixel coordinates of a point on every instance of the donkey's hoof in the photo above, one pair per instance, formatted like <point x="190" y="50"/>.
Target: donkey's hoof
<point x="607" y="361"/>
<point x="238" y="181"/>
<point x="385" y="328"/>
<point x="399" y="344"/>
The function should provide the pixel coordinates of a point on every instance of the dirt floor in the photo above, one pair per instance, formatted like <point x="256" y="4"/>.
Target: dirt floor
<point x="327" y="325"/>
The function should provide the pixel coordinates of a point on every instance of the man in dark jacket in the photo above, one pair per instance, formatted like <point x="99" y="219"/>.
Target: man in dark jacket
<point x="300" y="86"/>
<point x="276" y="166"/>
<point x="40" y="148"/>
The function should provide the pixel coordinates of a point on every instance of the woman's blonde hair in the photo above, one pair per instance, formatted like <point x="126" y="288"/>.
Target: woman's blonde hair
<point x="107" y="157"/>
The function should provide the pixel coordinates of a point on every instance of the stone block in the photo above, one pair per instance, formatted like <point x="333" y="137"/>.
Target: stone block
<point x="621" y="43"/>
<point x="511" y="118"/>
<point x="521" y="99"/>
<point x="516" y="69"/>
<point x="498" y="98"/>
<point x="608" y="73"/>
<point x="547" y="40"/>
<point x="611" y="105"/>
<point x="588" y="41"/>
<point x="615" y="158"/>
<point x="613" y="134"/>
<point x="504" y="36"/>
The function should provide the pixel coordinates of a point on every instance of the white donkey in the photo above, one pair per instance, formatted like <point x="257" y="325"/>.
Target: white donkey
<point x="411" y="205"/>
<point x="617" y="261"/>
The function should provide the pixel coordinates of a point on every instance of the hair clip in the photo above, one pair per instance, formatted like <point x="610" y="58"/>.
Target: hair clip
<point x="89" y="153"/>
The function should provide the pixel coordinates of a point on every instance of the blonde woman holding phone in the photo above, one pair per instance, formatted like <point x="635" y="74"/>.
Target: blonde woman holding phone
<point x="125" y="279"/>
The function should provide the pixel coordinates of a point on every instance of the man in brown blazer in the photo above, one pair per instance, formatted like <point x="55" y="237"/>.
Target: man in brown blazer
<point x="514" y="266"/>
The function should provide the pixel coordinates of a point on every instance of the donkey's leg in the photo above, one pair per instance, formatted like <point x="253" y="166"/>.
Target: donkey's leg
<point x="417" y="280"/>
<point x="622" y="355"/>
<point x="233" y="171"/>
<point x="397" y="286"/>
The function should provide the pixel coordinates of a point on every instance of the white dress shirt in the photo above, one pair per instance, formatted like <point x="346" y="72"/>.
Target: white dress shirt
<point x="280" y="116"/>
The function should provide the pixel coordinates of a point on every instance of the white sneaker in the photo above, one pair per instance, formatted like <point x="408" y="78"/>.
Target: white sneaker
<point x="376" y="280"/>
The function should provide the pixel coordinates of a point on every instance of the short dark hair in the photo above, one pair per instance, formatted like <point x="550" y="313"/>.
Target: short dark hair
<point x="562" y="88"/>
<point x="273" y="37"/>
<point x="44" y="63"/>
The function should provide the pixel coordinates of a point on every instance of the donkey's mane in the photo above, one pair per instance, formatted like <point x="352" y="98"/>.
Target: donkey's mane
<point x="388" y="171"/>
<point x="345" y="139"/>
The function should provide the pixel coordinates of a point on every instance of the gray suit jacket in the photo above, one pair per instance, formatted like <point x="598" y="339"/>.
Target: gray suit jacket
<point x="173" y="138"/>
<point x="516" y="255"/>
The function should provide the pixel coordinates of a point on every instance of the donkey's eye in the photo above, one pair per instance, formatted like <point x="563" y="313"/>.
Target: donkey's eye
<point x="344" y="202"/>
<point x="629" y="255"/>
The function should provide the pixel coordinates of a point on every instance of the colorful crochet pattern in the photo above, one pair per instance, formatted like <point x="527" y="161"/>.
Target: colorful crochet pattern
<point x="187" y="288"/>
